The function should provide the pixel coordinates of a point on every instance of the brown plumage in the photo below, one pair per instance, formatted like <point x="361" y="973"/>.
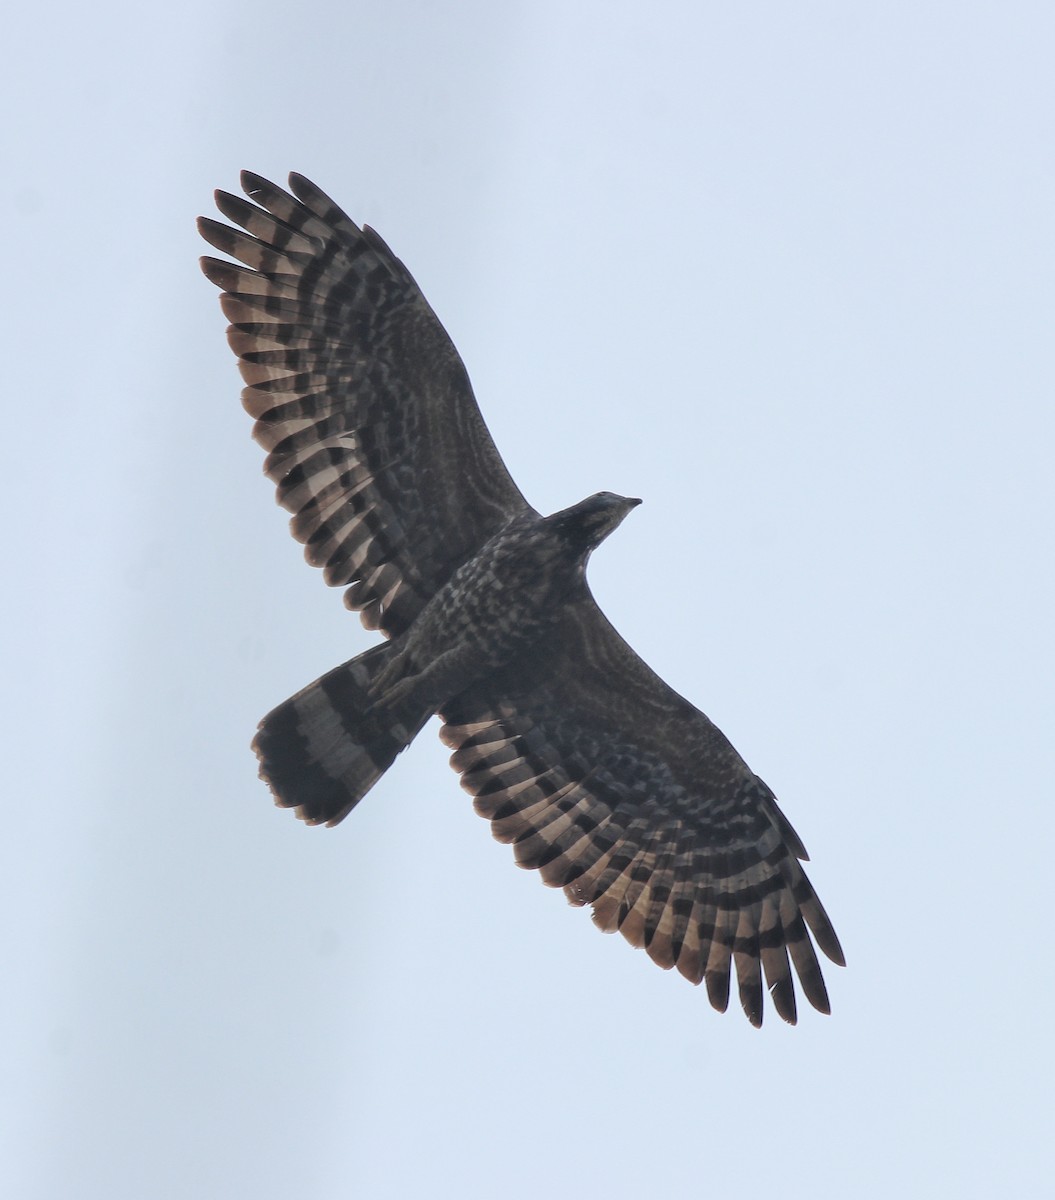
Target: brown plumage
<point x="605" y="780"/>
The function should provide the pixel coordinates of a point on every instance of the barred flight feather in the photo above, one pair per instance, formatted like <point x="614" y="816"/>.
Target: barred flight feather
<point x="330" y="327"/>
<point x="623" y="833"/>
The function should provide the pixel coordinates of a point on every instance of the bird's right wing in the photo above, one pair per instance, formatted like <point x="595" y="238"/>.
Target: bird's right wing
<point x="375" y="441"/>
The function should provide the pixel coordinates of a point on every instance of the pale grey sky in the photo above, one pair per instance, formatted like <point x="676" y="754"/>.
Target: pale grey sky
<point x="783" y="270"/>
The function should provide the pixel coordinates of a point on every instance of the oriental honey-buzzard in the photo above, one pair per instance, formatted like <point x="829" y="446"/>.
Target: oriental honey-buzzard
<point x="602" y="777"/>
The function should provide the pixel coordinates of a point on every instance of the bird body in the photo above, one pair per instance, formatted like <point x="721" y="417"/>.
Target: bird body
<point x="605" y="780"/>
<point x="495" y="607"/>
<point x="499" y="602"/>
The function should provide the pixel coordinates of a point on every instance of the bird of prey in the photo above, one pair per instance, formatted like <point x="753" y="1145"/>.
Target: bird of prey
<point x="603" y="778"/>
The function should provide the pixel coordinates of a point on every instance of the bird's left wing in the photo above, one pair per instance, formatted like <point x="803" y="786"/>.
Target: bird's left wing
<point x="618" y="790"/>
<point x="375" y="440"/>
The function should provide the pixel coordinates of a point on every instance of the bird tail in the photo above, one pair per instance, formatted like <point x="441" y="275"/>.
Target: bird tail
<point x="322" y="750"/>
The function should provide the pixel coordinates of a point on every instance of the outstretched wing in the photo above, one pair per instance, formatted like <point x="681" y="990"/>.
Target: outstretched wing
<point x="375" y="441"/>
<point x="620" y="791"/>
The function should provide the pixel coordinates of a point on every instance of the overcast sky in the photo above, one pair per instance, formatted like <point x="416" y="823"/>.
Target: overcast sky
<point x="785" y="270"/>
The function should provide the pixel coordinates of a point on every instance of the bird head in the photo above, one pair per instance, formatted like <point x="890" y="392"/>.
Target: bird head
<point x="586" y="524"/>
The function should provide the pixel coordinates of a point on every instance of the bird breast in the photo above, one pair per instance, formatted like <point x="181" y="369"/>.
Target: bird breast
<point x="493" y="606"/>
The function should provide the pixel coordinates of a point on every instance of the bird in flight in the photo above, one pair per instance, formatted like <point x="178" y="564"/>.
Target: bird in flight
<point x="602" y="777"/>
